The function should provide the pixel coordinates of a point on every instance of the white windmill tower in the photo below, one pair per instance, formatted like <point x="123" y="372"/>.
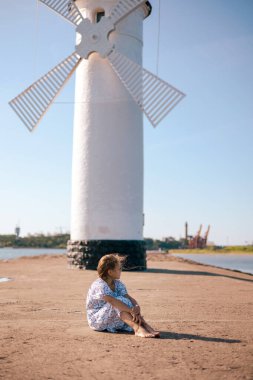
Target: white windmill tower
<point x="112" y="92"/>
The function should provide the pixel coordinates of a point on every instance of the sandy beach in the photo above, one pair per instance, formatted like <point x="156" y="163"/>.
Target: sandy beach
<point x="205" y="316"/>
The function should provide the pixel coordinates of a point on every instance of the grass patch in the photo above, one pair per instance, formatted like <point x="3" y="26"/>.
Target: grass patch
<point x="247" y="249"/>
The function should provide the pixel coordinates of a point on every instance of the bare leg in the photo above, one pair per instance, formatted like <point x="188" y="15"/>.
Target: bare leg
<point x="138" y="330"/>
<point x="150" y="329"/>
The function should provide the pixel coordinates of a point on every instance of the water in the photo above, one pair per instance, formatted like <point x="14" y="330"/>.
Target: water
<point x="242" y="262"/>
<point x="5" y="279"/>
<point x="13" y="253"/>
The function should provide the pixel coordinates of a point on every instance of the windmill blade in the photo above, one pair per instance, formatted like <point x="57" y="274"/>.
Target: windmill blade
<point x="33" y="103"/>
<point x="153" y="95"/>
<point x="66" y="9"/>
<point x="123" y="8"/>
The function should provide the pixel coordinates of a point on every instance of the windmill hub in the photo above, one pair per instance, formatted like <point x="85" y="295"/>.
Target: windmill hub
<point x="94" y="38"/>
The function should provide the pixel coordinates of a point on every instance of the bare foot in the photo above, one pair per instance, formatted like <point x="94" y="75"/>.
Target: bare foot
<point x="143" y="333"/>
<point x="151" y="330"/>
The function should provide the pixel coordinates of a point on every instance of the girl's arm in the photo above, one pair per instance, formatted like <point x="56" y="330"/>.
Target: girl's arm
<point x="121" y="306"/>
<point x="137" y="308"/>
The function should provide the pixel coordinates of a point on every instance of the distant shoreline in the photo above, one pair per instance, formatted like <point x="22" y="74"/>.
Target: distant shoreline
<point x="190" y="261"/>
<point x="223" y="251"/>
<point x="20" y="247"/>
<point x="213" y="252"/>
<point x="151" y="256"/>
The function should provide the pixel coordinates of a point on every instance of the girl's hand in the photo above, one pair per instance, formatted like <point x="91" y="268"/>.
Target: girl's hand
<point x="137" y="318"/>
<point x="135" y="312"/>
<point x="136" y="309"/>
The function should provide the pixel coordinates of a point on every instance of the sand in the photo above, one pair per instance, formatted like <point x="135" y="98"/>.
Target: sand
<point x="205" y="316"/>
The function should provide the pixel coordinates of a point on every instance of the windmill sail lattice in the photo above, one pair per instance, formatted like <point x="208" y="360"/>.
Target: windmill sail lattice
<point x="153" y="95"/>
<point x="32" y="103"/>
<point x="65" y="8"/>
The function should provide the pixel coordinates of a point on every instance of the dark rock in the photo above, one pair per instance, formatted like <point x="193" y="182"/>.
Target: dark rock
<point x="86" y="254"/>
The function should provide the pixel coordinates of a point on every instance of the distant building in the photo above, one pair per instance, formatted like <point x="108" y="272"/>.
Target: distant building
<point x="168" y="239"/>
<point x="17" y="231"/>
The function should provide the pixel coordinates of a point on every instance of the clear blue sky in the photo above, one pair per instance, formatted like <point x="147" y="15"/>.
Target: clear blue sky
<point x="198" y="162"/>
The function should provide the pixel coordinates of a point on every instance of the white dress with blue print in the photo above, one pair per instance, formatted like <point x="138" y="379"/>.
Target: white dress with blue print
<point x="102" y="315"/>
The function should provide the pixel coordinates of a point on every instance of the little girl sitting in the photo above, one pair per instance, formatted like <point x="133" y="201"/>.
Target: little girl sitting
<point x="108" y="305"/>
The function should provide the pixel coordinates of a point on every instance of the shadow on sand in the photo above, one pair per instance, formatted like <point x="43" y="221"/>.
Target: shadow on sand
<point x="190" y="337"/>
<point x="193" y="273"/>
<point x="176" y="336"/>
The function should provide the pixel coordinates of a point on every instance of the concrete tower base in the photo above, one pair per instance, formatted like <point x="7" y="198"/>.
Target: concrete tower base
<point x="86" y="254"/>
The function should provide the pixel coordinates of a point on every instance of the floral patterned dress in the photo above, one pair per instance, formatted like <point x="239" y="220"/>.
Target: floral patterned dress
<point x="102" y="315"/>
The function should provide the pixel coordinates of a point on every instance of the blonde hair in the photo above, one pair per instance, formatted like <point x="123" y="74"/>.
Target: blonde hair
<point x="109" y="262"/>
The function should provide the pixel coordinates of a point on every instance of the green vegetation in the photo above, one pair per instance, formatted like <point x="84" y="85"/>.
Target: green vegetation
<point x="35" y="241"/>
<point x="155" y="245"/>
<point x="238" y="248"/>
<point x="60" y="241"/>
<point x="244" y="249"/>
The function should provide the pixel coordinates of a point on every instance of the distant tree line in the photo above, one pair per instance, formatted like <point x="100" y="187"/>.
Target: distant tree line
<point x="35" y="241"/>
<point x="60" y="241"/>
<point x="165" y="244"/>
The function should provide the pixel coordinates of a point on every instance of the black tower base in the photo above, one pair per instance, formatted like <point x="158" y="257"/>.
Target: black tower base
<point x="85" y="254"/>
